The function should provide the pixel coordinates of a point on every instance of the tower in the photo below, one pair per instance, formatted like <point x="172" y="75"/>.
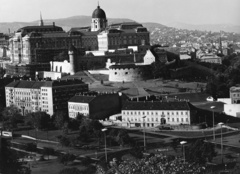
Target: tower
<point x="99" y="20"/>
<point x="41" y="20"/>
<point x="72" y="53"/>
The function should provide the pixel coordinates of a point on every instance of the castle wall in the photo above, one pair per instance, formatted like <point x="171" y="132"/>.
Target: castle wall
<point x="127" y="74"/>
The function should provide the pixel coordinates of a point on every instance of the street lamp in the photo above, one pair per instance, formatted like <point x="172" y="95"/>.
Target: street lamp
<point x="103" y="130"/>
<point x="182" y="143"/>
<point x="144" y="137"/>
<point x="221" y="141"/>
<point x="213" y="107"/>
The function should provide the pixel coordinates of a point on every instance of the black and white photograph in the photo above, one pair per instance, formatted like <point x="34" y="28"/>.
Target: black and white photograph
<point x="119" y="87"/>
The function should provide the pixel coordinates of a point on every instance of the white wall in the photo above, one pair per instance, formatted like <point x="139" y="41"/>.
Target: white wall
<point x="232" y="109"/>
<point x="63" y="67"/>
<point x="75" y="108"/>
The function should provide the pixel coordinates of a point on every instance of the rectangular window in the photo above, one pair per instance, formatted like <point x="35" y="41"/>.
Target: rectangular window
<point x="172" y="119"/>
<point x="177" y="120"/>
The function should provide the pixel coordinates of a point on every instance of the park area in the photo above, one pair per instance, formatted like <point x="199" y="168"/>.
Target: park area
<point x="165" y="145"/>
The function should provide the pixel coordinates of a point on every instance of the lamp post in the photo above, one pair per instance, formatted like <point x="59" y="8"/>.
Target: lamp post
<point x="212" y="107"/>
<point x="103" y="130"/>
<point x="144" y="137"/>
<point x="221" y="141"/>
<point x="182" y="143"/>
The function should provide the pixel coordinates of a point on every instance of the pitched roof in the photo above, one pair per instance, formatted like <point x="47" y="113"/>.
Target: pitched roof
<point x="155" y="105"/>
<point x="81" y="99"/>
<point x="39" y="84"/>
<point x="26" y="84"/>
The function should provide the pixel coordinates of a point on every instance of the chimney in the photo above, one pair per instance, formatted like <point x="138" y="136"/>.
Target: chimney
<point x="54" y="24"/>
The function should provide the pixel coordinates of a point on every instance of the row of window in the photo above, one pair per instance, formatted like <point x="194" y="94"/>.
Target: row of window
<point x="154" y="120"/>
<point x="22" y="93"/>
<point x="236" y="95"/>
<point x="153" y="113"/>
<point x="76" y="107"/>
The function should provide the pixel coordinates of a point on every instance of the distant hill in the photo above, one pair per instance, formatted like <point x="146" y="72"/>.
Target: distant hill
<point x="207" y="27"/>
<point x="65" y="23"/>
<point x="82" y="21"/>
<point x="151" y="26"/>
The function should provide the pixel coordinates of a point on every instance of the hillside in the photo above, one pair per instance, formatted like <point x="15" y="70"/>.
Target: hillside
<point x="81" y="21"/>
<point x="207" y="27"/>
<point x="66" y="23"/>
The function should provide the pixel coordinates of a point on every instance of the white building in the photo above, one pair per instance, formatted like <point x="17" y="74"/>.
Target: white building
<point x="155" y="113"/>
<point x="232" y="104"/>
<point x="47" y="96"/>
<point x="211" y="58"/>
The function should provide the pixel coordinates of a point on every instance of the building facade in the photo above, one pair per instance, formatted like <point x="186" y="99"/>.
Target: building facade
<point x="46" y="96"/>
<point x="96" y="105"/>
<point x="211" y="58"/>
<point x="123" y="35"/>
<point x="235" y="94"/>
<point x="155" y="113"/>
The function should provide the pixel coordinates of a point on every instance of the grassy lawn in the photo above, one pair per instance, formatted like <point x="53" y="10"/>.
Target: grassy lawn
<point x="219" y="106"/>
<point x="192" y="97"/>
<point x="44" y="135"/>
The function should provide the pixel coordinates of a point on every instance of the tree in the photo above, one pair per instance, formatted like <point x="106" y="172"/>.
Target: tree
<point x="32" y="147"/>
<point x="64" y="141"/>
<point x="48" y="151"/>
<point x="66" y="158"/>
<point x="9" y="160"/>
<point x="60" y="118"/>
<point x="11" y="115"/>
<point x="201" y="152"/>
<point x="123" y="137"/>
<point x="38" y="120"/>
<point x="89" y="128"/>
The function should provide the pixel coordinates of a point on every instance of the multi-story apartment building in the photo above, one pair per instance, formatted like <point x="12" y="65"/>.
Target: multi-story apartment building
<point x="47" y="96"/>
<point x="155" y="113"/>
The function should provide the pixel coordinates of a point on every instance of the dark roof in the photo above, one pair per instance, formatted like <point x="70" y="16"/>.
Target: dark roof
<point x="81" y="99"/>
<point x="26" y="84"/>
<point x="126" y="23"/>
<point x="155" y="105"/>
<point x="39" y="84"/>
<point x="88" y="33"/>
<point x="44" y="28"/>
<point x="99" y="13"/>
<point x="72" y="48"/>
<point x="123" y="66"/>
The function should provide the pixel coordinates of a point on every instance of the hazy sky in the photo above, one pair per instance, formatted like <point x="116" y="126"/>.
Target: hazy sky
<point x="160" y="11"/>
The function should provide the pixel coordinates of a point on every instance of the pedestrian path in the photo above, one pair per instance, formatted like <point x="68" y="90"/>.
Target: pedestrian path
<point x="90" y="76"/>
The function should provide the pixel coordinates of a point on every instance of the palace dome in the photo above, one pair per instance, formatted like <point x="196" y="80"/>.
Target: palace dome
<point x="99" y="13"/>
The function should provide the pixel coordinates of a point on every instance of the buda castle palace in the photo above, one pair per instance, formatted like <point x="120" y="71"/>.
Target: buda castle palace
<point x="32" y="48"/>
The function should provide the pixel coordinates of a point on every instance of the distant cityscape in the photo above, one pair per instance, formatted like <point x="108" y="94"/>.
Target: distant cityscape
<point x="120" y="97"/>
